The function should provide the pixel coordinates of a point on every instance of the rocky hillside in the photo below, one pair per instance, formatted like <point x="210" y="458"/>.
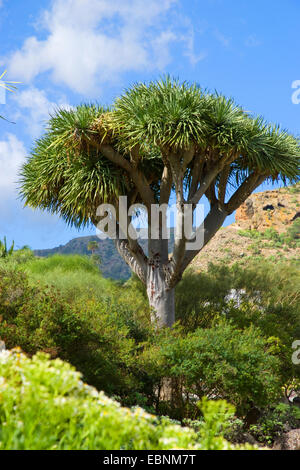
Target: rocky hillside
<point x="267" y="225"/>
<point x="277" y="209"/>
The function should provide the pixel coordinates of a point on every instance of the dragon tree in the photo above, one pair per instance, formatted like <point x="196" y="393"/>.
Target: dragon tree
<point x="157" y="141"/>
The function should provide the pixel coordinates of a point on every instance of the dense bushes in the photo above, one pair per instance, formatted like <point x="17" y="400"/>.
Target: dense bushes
<point x="75" y="276"/>
<point x="274" y="421"/>
<point x="220" y="362"/>
<point x="118" y="353"/>
<point x="88" y="333"/>
<point x="44" y="405"/>
<point x="233" y="340"/>
<point x="290" y="238"/>
<point x="263" y="294"/>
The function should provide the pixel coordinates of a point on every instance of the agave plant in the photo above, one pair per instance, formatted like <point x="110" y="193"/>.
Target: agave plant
<point x="4" y="251"/>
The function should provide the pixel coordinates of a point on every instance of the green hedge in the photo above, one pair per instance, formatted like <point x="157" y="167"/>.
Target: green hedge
<point x="45" y="405"/>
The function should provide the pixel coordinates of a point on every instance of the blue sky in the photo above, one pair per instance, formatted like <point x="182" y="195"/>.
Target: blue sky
<point x="68" y="51"/>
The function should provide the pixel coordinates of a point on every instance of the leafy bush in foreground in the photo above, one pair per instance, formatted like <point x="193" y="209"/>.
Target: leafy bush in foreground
<point x="221" y="362"/>
<point x="63" y="306"/>
<point x="120" y="355"/>
<point x="88" y="333"/>
<point x="44" y="405"/>
<point x="263" y="294"/>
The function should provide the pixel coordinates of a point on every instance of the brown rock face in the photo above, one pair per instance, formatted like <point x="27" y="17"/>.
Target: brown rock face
<point x="277" y="209"/>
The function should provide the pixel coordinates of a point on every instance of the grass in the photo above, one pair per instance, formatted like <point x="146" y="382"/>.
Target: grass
<point x="74" y="275"/>
<point x="291" y="238"/>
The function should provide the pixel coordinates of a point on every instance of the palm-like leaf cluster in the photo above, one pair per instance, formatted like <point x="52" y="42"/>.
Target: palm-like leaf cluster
<point x="170" y="114"/>
<point x="68" y="174"/>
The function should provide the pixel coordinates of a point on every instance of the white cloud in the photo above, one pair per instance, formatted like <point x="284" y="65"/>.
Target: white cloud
<point x="12" y="156"/>
<point x="160" y="48"/>
<point x="92" y="42"/>
<point x="34" y="109"/>
<point x="24" y="225"/>
<point x="190" y="49"/>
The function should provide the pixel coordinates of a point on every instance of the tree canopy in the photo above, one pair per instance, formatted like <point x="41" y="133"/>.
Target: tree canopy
<point x="156" y="138"/>
<point x="70" y="171"/>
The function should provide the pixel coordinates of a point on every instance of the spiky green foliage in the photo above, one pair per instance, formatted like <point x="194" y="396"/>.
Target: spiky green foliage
<point x="4" y="250"/>
<point x="68" y="174"/>
<point x="65" y="177"/>
<point x="165" y="113"/>
<point x="170" y="114"/>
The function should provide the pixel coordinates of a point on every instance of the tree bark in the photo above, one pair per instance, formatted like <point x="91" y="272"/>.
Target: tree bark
<point x="161" y="297"/>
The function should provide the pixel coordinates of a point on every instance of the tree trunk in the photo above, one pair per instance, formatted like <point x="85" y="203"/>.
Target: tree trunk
<point x="161" y="297"/>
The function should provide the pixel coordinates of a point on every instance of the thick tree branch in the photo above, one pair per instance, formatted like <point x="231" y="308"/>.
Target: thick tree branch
<point x="134" y="260"/>
<point x="137" y="176"/>
<point x="132" y="252"/>
<point x="211" y="193"/>
<point x="210" y="176"/>
<point x="178" y="175"/>
<point x="188" y="156"/>
<point x="166" y="185"/>
<point x="196" y="175"/>
<point x="214" y="220"/>
<point x="223" y="184"/>
<point x="211" y="224"/>
<point x="179" y="165"/>
<point x="243" y="192"/>
<point x="129" y="248"/>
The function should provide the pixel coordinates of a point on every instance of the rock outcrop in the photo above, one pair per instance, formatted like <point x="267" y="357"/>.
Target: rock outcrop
<point x="277" y="209"/>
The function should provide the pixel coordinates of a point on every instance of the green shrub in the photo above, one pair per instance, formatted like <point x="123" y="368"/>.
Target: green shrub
<point x="64" y="307"/>
<point x="67" y="263"/>
<point x="290" y="238"/>
<point x="267" y="295"/>
<point x="14" y="291"/>
<point x="216" y="419"/>
<point x="221" y="362"/>
<point x="200" y="298"/>
<point x="294" y="230"/>
<point x="88" y="333"/>
<point x="45" y="406"/>
<point x="273" y="423"/>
